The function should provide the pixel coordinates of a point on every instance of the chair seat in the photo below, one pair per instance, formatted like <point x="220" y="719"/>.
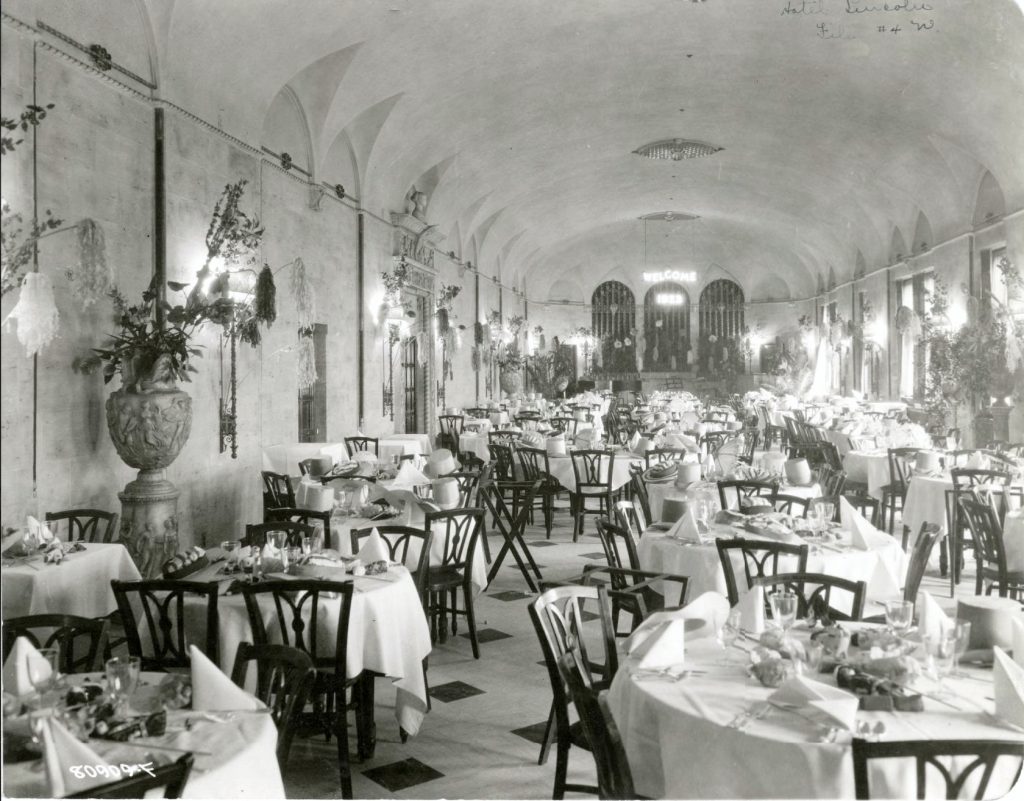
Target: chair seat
<point x="447" y="576"/>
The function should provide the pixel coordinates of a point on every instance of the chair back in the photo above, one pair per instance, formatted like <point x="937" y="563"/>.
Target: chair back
<point x="399" y="540"/>
<point x="614" y="538"/>
<point x="534" y="462"/>
<point x="277" y="490"/>
<point x="294" y="615"/>
<point x="502" y="454"/>
<point x="460" y="530"/>
<point x="869" y="507"/>
<point x="307" y="517"/>
<point x="506" y="436"/>
<point x="814" y="593"/>
<point x="558" y="618"/>
<point x="468" y="483"/>
<point x="930" y="534"/>
<point x="62" y="632"/>
<point x="450" y="428"/>
<point x="256" y="533"/>
<point x="159" y="606"/>
<point x="982" y="519"/>
<point x="901" y="466"/>
<point x="84" y="525"/>
<point x="639" y="490"/>
<point x="954" y="773"/>
<point x="791" y="504"/>
<point x="832" y="481"/>
<point x="476" y="412"/>
<point x="564" y="425"/>
<point x="361" y="443"/>
<point x="628" y="517"/>
<point x="284" y="680"/>
<point x="171" y="778"/>
<point x="659" y="455"/>
<point x="750" y="440"/>
<point x="989" y="482"/>
<point x="528" y="421"/>
<point x="747" y="493"/>
<point x="760" y="559"/>
<point x="593" y="468"/>
<point x="614" y="777"/>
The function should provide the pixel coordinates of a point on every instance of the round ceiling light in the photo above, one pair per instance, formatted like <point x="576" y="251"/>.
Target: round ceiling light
<point x="676" y="149"/>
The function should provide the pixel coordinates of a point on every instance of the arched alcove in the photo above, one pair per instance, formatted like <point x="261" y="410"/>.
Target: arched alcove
<point x="897" y="246"/>
<point x="666" y="332"/>
<point x="923" y="238"/>
<point x="721" y="309"/>
<point x="613" y="320"/>
<point x="990" y="204"/>
<point x="285" y="130"/>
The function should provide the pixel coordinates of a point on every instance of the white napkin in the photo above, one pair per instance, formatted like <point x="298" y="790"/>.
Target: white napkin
<point x="1008" y="687"/>
<point x="15" y="672"/>
<point x="663" y="647"/>
<point x="634" y="441"/>
<point x="863" y="535"/>
<point x="38" y="533"/>
<point x="1018" y="641"/>
<point x="751" y="606"/>
<point x="373" y="550"/>
<point x="409" y="477"/>
<point x="837" y="706"/>
<point x="212" y="690"/>
<point x="12" y="539"/>
<point x="61" y="751"/>
<point x="686" y="527"/>
<point x="931" y="620"/>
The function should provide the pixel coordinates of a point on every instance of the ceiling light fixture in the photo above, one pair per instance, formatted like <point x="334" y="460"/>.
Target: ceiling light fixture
<point x="676" y="149"/>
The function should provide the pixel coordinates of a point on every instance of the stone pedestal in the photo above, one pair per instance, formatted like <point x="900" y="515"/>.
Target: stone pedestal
<point x="1001" y="423"/>
<point x="149" y="521"/>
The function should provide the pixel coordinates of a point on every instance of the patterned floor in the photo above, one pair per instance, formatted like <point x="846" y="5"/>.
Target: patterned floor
<point x="481" y="738"/>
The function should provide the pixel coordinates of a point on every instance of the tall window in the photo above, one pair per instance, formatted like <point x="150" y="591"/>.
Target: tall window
<point x="915" y="293"/>
<point x="666" y="327"/>
<point x="613" y="318"/>
<point x="721" y="324"/>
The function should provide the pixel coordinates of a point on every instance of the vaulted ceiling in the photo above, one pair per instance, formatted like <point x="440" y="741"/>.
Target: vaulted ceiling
<point x="520" y="118"/>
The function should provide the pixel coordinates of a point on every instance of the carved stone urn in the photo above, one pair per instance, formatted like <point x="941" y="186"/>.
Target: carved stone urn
<point x="511" y="382"/>
<point x="149" y="429"/>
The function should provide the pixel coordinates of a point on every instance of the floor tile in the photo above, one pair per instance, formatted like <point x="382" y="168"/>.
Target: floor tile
<point x="533" y="733"/>
<point x="402" y="775"/>
<point x="454" y="691"/>
<point x="510" y="595"/>
<point x="489" y="635"/>
<point x="542" y="544"/>
<point x="593" y="555"/>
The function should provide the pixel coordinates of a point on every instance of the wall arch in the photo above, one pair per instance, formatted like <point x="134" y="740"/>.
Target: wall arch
<point x="613" y="320"/>
<point x="666" y="328"/>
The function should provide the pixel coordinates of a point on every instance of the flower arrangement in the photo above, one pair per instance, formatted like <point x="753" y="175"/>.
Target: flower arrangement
<point x="395" y="280"/>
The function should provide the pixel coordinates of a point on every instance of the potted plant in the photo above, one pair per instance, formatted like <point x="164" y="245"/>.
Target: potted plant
<point x="510" y="358"/>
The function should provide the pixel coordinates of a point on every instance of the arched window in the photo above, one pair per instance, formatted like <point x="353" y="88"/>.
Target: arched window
<point x="613" y="318"/>
<point x="666" y="327"/>
<point x="721" y="324"/>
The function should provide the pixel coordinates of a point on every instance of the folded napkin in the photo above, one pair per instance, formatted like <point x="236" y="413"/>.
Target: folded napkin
<point x="931" y="620"/>
<point x="409" y="477"/>
<point x="61" y="751"/>
<point x="15" y="672"/>
<point x="1008" y="687"/>
<point x="212" y="690"/>
<point x="664" y="646"/>
<point x="12" y="539"/>
<point x="686" y="527"/>
<point x="38" y="533"/>
<point x="1018" y="641"/>
<point x="751" y="606"/>
<point x="863" y="535"/>
<point x="373" y="550"/>
<point x="837" y="706"/>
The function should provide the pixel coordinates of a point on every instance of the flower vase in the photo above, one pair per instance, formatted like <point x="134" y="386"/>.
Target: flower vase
<point x="149" y="429"/>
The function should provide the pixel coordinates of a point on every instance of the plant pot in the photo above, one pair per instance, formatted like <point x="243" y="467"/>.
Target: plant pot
<point x="149" y="429"/>
<point x="984" y="429"/>
<point x="512" y="382"/>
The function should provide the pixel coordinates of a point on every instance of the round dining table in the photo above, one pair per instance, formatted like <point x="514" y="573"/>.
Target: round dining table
<point x="235" y="756"/>
<point x="712" y="734"/>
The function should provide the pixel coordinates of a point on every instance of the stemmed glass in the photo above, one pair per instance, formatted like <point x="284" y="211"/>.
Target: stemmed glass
<point x="783" y="605"/>
<point x="962" y="633"/>
<point x="230" y="547"/>
<point x="825" y="512"/>
<point x="899" y="615"/>
<point x="42" y="668"/>
<point x="729" y="633"/>
<point x="122" y="677"/>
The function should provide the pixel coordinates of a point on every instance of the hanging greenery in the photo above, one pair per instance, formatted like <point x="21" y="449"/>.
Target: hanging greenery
<point x="92" y="275"/>
<point x="35" y="313"/>
<point x="305" y="303"/>
<point x="306" y="363"/>
<point x="265" y="302"/>
<point x="479" y="334"/>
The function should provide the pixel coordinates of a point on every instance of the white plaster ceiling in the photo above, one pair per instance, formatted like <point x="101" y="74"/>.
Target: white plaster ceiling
<point x="521" y="117"/>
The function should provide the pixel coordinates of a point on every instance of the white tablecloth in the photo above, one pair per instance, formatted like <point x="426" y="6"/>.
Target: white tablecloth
<point x="868" y="467"/>
<point x="679" y="743"/>
<point x="242" y="761"/>
<point x="475" y="444"/>
<point x="883" y="569"/>
<point x="285" y="457"/>
<point x="1013" y="539"/>
<point x="926" y="503"/>
<point x="657" y="493"/>
<point x="80" y="585"/>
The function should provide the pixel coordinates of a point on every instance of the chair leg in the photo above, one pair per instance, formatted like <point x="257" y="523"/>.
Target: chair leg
<point x="341" y="735"/>
<point x="455" y="611"/>
<point x="426" y="682"/>
<point x="467" y="594"/>
<point x="549" y="736"/>
<point x="561" y="767"/>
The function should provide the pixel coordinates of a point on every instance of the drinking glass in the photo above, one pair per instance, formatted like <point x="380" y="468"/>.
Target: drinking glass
<point x="307" y="546"/>
<point x="814" y="519"/>
<point x="280" y="540"/>
<point x="899" y="615"/>
<point x="729" y="633"/>
<point x="318" y="541"/>
<point x="230" y="548"/>
<point x="783" y="609"/>
<point x="826" y="512"/>
<point x="962" y="633"/>
<point x="43" y="673"/>
<point x="814" y="652"/>
<point x="122" y="676"/>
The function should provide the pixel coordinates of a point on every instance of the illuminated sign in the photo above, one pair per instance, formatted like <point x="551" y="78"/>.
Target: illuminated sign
<point x="669" y="299"/>
<point x="670" y="275"/>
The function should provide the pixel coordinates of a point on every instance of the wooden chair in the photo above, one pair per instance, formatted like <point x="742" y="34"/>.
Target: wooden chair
<point x="84" y="525"/>
<point x="870" y="507"/>
<point x="505" y="436"/>
<point x="982" y="519"/>
<point x="477" y="413"/>
<point x="750" y="438"/>
<point x="927" y="754"/>
<point x="929" y="534"/>
<point x="306" y="517"/>
<point x="966" y="482"/>
<point x="818" y="600"/>
<point x="832" y="481"/>
<point x="468" y="483"/>
<point x="564" y="425"/>
<point x="771" y="432"/>
<point x="503" y="457"/>
<point x="256" y="533"/>
<point x="171" y="778"/>
<point x="536" y="467"/>
<point x="284" y="680"/>
<point x="461" y="530"/>
<point x="450" y="428"/>
<point x="747" y="493"/>
<point x="62" y="631"/>
<point x="594" y="470"/>
<point x="557" y="617"/>
<point x="399" y="540"/>
<point x="361" y="443"/>
<point x="630" y="516"/>
<point x="511" y="516"/>
<point x="614" y="777"/>
<point x="791" y="504"/>
<point x="895" y="492"/>
<point x="659" y="455"/>
<point x="296" y="606"/>
<point x="161" y="607"/>
<point x="277" y="491"/>
<point x="756" y="555"/>
<point x="638" y="489"/>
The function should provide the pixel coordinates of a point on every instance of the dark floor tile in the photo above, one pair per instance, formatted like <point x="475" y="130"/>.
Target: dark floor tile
<point x="592" y="555"/>
<point x="454" y="691"/>
<point x="510" y="595"/>
<point x="402" y="775"/>
<point x="488" y="635"/>
<point x="541" y="543"/>
<point x="534" y="733"/>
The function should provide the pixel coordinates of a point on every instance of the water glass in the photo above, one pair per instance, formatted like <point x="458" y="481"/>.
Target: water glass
<point x="317" y="541"/>
<point x="122" y="677"/>
<point x="730" y="632"/>
<point x="826" y="512"/>
<point x="43" y="672"/>
<point x="307" y="546"/>
<point x="899" y="615"/>
<point x="962" y="633"/>
<point x="280" y="539"/>
<point x="783" y="606"/>
<point x="230" y="549"/>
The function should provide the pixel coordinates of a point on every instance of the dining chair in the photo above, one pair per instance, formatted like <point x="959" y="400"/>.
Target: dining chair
<point x="284" y="681"/>
<point x="750" y="439"/>
<point x="399" y="541"/>
<point x="309" y="517"/>
<point x="966" y="481"/>
<point x="868" y="506"/>
<point x="477" y="413"/>
<point x="564" y="425"/>
<point x="277" y="491"/>
<point x="760" y="559"/>
<point x="968" y="761"/>
<point x="62" y="632"/>
<point x="894" y="494"/>
<point x="461" y="531"/>
<point x="536" y="466"/>
<point x="502" y="455"/>
<point x="468" y="482"/>
<point x="638" y="489"/>
<point x="929" y="534"/>
<point x="295" y="608"/>
<point x="747" y="493"/>
<point x="614" y="776"/>
<point x="832" y="481"/>
<point x="84" y="525"/>
<point x="256" y="533"/>
<point x="594" y="470"/>
<point x="506" y="436"/>
<point x="509" y="503"/>
<point x="814" y="593"/>
<point x="156" y="607"/>
<point x="450" y="428"/>
<point x="658" y="455"/>
<point x="558" y="618"/>
<point x="791" y="504"/>
<point x="981" y="517"/>
<point x="169" y="778"/>
<point x="365" y="444"/>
